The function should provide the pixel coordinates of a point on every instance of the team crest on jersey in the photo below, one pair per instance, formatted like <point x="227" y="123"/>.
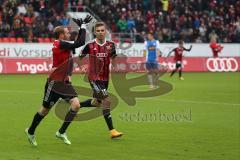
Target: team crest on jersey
<point x="108" y="47"/>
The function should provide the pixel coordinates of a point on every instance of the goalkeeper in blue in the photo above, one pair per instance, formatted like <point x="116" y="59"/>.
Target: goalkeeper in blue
<point x="152" y="52"/>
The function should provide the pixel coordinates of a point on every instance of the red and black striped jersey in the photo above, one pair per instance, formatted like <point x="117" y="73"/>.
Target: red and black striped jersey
<point x="178" y="53"/>
<point x="99" y="59"/>
<point x="62" y="56"/>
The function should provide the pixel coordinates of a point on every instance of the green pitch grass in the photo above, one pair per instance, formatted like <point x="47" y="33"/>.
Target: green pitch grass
<point x="200" y="121"/>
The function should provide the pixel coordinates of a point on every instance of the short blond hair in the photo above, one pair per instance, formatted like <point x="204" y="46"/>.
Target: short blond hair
<point x="58" y="30"/>
<point x="98" y="24"/>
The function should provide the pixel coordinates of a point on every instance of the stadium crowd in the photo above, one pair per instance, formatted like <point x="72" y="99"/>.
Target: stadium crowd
<point x="31" y="19"/>
<point x="169" y="20"/>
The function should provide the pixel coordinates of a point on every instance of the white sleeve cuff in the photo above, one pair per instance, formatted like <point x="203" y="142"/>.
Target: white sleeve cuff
<point x="83" y="26"/>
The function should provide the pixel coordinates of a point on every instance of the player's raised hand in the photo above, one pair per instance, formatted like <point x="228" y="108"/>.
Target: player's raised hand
<point x="87" y="19"/>
<point x="79" y="21"/>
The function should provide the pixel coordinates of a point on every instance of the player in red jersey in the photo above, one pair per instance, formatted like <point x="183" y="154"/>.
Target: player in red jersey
<point x="216" y="48"/>
<point x="100" y="52"/>
<point x="178" y="54"/>
<point x="58" y="84"/>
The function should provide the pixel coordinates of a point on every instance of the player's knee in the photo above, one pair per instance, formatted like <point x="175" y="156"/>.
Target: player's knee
<point x="75" y="104"/>
<point x="106" y="102"/>
<point x="95" y="102"/>
<point x="44" y="111"/>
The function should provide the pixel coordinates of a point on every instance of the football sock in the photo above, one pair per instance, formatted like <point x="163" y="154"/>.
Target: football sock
<point x="36" y="120"/>
<point x="180" y="73"/>
<point x="173" y="72"/>
<point x="108" y="118"/>
<point x="86" y="103"/>
<point x="150" y="79"/>
<point x="68" y="119"/>
<point x="156" y="77"/>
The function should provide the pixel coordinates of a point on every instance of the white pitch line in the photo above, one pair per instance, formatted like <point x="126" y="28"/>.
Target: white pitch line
<point x="150" y="98"/>
<point x="190" y="101"/>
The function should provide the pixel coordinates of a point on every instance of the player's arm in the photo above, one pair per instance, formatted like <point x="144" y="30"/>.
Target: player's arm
<point x="113" y="55"/>
<point x="145" y="49"/>
<point x="85" y="50"/>
<point x="170" y="52"/>
<point x="219" y="48"/>
<point x="189" y="49"/>
<point x="80" y="41"/>
<point x="158" y="49"/>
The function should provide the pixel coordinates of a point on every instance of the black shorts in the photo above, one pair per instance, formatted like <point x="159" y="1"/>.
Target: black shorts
<point x="55" y="90"/>
<point x="99" y="89"/>
<point x="178" y="64"/>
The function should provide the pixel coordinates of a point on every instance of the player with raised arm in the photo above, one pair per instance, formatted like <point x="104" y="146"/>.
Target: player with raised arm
<point x="101" y="52"/>
<point x="216" y="48"/>
<point x="152" y="52"/>
<point x="58" y="84"/>
<point x="178" y="54"/>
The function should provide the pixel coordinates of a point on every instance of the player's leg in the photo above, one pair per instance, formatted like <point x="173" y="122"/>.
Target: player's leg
<point x="100" y="93"/>
<point x="180" y="71"/>
<point x="106" y="103"/>
<point x="106" y="112"/>
<point x="173" y="72"/>
<point x="156" y="74"/>
<point x="150" y="79"/>
<point x="178" y="65"/>
<point x="35" y="122"/>
<point x="91" y="103"/>
<point x="50" y="98"/>
<point x="69" y="94"/>
<point x="176" y="68"/>
<point x="180" y="74"/>
<point x="86" y="103"/>
<point x="96" y="102"/>
<point x="108" y="118"/>
<point x="37" y="119"/>
<point x="150" y="74"/>
<point x="155" y="79"/>
<point x="61" y="133"/>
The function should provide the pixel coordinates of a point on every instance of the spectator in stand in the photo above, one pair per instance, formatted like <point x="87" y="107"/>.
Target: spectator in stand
<point x="122" y="24"/>
<point x="21" y="9"/>
<point x="191" y="21"/>
<point x="131" y="25"/>
<point x="165" y="5"/>
<point x="26" y="20"/>
<point x="64" y="20"/>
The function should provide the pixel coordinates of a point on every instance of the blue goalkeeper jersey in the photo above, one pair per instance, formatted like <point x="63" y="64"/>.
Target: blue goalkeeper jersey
<point x="152" y="47"/>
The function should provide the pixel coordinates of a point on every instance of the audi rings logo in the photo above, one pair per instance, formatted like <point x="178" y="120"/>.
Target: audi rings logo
<point x="222" y="64"/>
<point x="1" y="67"/>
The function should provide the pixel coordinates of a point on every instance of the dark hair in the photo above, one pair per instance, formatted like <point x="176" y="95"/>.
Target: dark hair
<point x="58" y="30"/>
